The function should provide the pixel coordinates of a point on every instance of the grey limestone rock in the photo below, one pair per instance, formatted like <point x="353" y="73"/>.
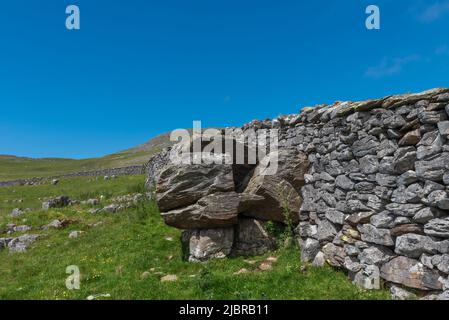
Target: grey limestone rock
<point x="437" y="228"/>
<point x="411" y="273"/>
<point x="21" y="244"/>
<point x="309" y="249"/>
<point x="375" y="255"/>
<point x="368" y="278"/>
<point x="375" y="235"/>
<point x="414" y="245"/>
<point x="344" y="183"/>
<point x="334" y="255"/>
<point x="58" y="202"/>
<point x="216" y="210"/>
<point x="208" y="243"/>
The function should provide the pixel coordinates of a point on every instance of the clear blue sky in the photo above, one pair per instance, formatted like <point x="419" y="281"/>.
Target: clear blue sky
<point x="138" y="68"/>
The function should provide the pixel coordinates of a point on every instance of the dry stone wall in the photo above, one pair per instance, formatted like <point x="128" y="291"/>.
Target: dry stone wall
<point x="376" y="196"/>
<point x="370" y="185"/>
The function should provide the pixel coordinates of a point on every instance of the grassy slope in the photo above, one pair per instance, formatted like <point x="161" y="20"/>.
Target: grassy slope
<point x="19" y="167"/>
<point x="112" y="257"/>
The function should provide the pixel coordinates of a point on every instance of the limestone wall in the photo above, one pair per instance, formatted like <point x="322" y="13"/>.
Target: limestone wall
<point x="376" y="196"/>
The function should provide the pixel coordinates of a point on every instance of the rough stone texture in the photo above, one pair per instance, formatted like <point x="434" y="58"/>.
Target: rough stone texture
<point x="410" y="273"/>
<point x="443" y="263"/>
<point x="344" y="183"/>
<point x="335" y="216"/>
<point x="216" y="210"/>
<point x="360" y="218"/>
<point x="413" y="245"/>
<point x="443" y="127"/>
<point x="112" y="208"/>
<point x="75" y="234"/>
<point x="319" y="260"/>
<point x="55" y="224"/>
<point x="334" y="255"/>
<point x="208" y="243"/>
<point x="374" y="235"/>
<point x="154" y="167"/>
<point x="12" y="228"/>
<point x="411" y="138"/>
<point x="279" y="196"/>
<point x="58" y="202"/>
<point x="18" y="212"/>
<point x="309" y="249"/>
<point x="406" y="210"/>
<point x="183" y="185"/>
<point x="438" y="199"/>
<point x="368" y="278"/>
<point x="406" y="228"/>
<point x="437" y="228"/>
<point x="375" y="256"/>
<point x="393" y="148"/>
<point x="326" y="230"/>
<point x="292" y="165"/>
<point x="423" y="216"/>
<point x="433" y="169"/>
<point x="251" y="238"/>
<point x="21" y="244"/>
<point x="398" y="293"/>
<point x="4" y="242"/>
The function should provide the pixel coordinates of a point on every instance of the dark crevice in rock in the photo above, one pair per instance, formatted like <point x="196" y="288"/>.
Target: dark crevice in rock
<point x="242" y="174"/>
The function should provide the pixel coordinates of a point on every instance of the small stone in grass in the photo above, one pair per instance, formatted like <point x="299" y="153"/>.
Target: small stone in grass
<point x="96" y="296"/>
<point x="169" y="278"/>
<point x="75" y="234"/>
<point x="265" y="266"/>
<point x="241" y="271"/>
<point x="96" y="224"/>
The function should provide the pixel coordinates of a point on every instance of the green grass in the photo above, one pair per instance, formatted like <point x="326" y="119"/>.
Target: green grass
<point x="112" y="257"/>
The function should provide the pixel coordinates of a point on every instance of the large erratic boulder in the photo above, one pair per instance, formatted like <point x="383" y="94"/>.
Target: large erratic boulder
<point x="223" y="207"/>
<point x="180" y="185"/>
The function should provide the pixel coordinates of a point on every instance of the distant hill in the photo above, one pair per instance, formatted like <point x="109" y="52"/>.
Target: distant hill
<point x="12" y="167"/>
